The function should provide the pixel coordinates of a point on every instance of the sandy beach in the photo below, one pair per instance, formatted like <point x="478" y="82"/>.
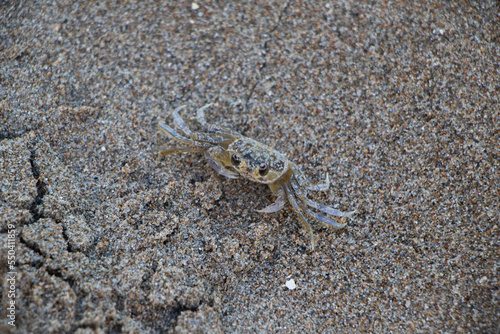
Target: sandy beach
<point x="398" y="101"/>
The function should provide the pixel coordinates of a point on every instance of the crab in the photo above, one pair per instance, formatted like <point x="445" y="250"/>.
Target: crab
<point x="233" y="155"/>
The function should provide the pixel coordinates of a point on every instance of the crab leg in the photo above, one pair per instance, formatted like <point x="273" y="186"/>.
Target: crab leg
<point x="200" y="116"/>
<point x="298" y="210"/>
<point x="175" y="135"/>
<point x="277" y="205"/>
<point x="306" y="183"/>
<point x="318" y="216"/>
<point x="321" y="186"/>
<point x="180" y="122"/>
<point x="322" y="218"/>
<point x="326" y="209"/>
<point x="223" y="140"/>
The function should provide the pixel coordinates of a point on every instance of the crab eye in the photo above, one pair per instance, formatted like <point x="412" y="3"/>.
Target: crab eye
<point x="263" y="170"/>
<point x="235" y="159"/>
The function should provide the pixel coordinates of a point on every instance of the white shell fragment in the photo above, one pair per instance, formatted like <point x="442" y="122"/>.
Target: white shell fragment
<point x="291" y="284"/>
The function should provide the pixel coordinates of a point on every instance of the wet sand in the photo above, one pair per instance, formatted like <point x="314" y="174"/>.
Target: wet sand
<point x="398" y="102"/>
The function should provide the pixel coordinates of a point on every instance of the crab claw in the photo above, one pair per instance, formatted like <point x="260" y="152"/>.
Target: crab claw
<point x="276" y="206"/>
